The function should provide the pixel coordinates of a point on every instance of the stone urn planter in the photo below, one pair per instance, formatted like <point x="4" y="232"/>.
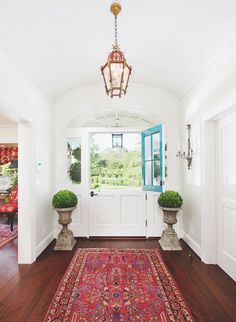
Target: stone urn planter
<point x="64" y="202"/>
<point x="170" y="202"/>
<point x="65" y="239"/>
<point x="169" y="239"/>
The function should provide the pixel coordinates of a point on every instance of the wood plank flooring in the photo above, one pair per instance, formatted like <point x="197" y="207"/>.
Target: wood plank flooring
<point x="27" y="290"/>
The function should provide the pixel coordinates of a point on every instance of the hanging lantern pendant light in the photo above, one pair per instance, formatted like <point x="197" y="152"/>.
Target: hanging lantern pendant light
<point x="116" y="72"/>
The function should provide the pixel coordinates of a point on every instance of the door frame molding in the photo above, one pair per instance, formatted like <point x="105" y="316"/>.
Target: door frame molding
<point x="208" y="206"/>
<point x="209" y="193"/>
<point x="26" y="217"/>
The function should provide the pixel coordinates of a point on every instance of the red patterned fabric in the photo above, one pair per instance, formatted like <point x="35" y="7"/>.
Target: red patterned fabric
<point x="118" y="285"/>
<point x="8" y="154"/>
<point x="8" y="208"/>
<point x="6" y="235"/>
<point x="12" y="204"/>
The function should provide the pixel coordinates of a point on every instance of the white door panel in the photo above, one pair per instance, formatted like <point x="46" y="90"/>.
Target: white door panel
<point x="117" y="213"/>
<point x="226" y="196"/>
<point x="155" y="223"/>
<point x="130" y="205"/>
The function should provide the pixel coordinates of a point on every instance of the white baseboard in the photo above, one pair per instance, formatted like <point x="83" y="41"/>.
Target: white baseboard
<point x="44" y="243"/>
<point x="192" y="243"/>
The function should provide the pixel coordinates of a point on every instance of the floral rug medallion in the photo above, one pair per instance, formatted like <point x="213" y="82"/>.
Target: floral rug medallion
<point x="117" y="285"/>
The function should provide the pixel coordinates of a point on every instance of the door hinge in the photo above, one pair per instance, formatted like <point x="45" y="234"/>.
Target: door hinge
<point x="146" y="222"/>
<point x="145" y="196"/>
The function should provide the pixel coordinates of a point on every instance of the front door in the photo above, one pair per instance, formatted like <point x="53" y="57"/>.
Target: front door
<point x="117" y="202"/>
<point x="126" y="177"/>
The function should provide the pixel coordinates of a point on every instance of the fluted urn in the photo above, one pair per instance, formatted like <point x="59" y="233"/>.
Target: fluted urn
<point x="169" y="238"/>
<point x="65" y="239"/>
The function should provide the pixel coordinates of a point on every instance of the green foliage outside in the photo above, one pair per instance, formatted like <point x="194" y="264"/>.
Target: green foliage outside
<point x="170" y="199"/>
<point x="77" y="153"/>
<point x="115" y="168"/>
<point x="75" y="172"/>
<point x="64" y="199"/>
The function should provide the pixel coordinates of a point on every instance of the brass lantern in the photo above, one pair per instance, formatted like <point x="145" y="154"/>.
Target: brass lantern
<point x="116" y="72"/>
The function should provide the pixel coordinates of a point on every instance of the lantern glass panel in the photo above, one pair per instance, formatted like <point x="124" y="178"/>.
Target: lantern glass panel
<point x="116" y="74"/>
<point x="125" y="78"/>
<point x="106" y="75"/>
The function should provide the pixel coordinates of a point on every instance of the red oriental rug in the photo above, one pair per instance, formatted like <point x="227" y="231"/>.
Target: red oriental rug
<point x="117" y="285"/>
<point x="6" y="234"/>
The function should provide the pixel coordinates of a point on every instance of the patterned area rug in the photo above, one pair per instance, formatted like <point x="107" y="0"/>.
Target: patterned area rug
<point x="117" y="285"/>
<point x="6" y="234"/>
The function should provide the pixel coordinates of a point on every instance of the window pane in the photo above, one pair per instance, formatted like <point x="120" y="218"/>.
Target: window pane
<point x="156" y="146"/>
<point x="148" y="173"/>
<point x="157" y="177"/>
<point x="147" y="144"/>
<point x="74" y="159"/>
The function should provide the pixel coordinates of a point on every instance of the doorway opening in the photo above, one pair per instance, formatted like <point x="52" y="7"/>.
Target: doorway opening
<point x="110" y="185"/>
<point x="8" y="180"/>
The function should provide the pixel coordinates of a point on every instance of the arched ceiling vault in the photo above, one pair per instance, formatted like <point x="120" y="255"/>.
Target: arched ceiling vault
<point x="62" y="44"/>
<point x="116" y="117"/>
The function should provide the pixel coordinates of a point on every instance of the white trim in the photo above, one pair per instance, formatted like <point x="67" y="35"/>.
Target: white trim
<point x="208" y="193"/>
<point x="26" y="195"/>
<point x="192" y="243"/>
<point x="44" y="243"/>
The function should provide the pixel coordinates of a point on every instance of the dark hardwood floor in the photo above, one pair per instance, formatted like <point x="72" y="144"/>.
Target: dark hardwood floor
<point x="27" y="290"/>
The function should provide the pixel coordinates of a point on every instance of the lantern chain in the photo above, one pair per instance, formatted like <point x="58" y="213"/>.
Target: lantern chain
<point x="115" y="23"/>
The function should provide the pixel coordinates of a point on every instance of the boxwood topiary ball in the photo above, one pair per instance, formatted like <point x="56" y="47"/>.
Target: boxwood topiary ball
<point x="64" y="199"/>
<point x="170" y="199"/>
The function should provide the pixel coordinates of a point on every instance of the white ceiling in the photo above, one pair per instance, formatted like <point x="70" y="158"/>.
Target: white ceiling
<point x="63" y="43"/>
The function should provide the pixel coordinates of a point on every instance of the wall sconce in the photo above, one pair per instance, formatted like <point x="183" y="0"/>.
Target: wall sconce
<point x="189" y="154"/>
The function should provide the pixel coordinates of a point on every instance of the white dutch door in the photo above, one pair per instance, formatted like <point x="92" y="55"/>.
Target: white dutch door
<point x="226" y="196"/>
<point x="117" y="202"/>
<point x="123" y="167"/>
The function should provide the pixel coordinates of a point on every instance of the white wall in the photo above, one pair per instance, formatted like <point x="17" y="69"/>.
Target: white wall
<point x="140" y="96"/>
<point x="21" y="100"/>
<point x="8" y="134"/>
<point x="213" y="94"/>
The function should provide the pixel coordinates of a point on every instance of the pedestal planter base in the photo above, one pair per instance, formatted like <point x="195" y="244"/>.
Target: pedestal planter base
<point x="65" y="241"/>
<point x="169" y="239"/>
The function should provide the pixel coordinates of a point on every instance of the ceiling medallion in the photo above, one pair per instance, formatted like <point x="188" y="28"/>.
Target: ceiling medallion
<point x="116" y="72"/>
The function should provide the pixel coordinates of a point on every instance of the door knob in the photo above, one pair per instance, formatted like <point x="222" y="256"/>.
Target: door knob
<point x="93" y="194"/>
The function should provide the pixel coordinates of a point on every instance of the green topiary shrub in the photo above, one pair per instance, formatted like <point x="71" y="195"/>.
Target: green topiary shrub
<point x="170" y="199"/>
<point x="64" y="199"/>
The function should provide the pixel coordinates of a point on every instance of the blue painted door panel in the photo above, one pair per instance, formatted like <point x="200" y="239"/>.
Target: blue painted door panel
<point x="152" y="159"/>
